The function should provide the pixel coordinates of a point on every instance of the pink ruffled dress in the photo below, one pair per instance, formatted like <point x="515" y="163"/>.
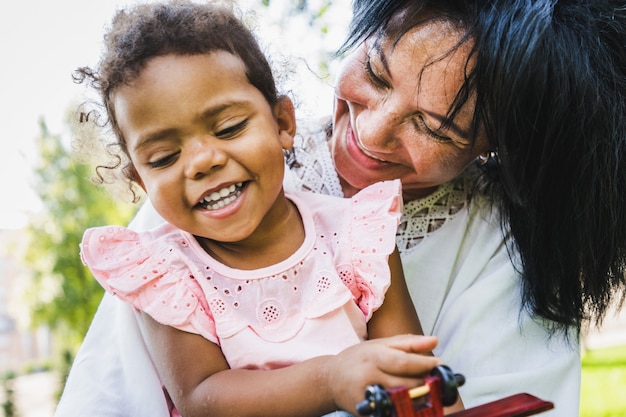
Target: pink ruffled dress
<point x="316" y="302"/>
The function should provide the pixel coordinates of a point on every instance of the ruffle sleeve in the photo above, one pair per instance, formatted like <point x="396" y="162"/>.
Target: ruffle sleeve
<point x="376" y="212"/>
<point x="150" y="272"/>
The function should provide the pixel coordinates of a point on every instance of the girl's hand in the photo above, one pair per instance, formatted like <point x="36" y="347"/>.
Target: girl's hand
<point x="402" y="360"/>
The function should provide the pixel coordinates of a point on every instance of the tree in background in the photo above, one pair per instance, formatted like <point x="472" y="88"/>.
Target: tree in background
<point x="63" y="295"/>
<point x="301" y="38"/>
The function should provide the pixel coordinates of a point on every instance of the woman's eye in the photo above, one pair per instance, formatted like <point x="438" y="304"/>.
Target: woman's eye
<point x="372" y="75"/>
<point x="231" y="131"/>
<point x="165" y="161"/>
<point x="421" y="124"/>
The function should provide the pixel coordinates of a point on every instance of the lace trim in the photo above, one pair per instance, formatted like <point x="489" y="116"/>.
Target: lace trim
<point x="424" y="216"/>
<point x="311" y="162"/>
<point x="314" y="170"/>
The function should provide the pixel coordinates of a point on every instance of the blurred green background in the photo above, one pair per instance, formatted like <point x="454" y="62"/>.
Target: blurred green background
<point x="603" y="390"/>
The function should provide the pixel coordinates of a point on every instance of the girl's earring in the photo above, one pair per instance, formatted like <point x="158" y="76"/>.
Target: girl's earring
<point x="290" y="158"/>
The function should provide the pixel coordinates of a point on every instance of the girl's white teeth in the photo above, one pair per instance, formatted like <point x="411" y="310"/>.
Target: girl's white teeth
<point x="223" y="197"/>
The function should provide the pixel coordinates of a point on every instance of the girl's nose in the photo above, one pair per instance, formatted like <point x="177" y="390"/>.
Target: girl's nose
<point x="204" y="157"/>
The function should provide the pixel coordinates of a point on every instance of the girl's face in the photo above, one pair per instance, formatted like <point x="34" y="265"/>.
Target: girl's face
<point x="206" y="145"/>
<point x="389" y="105"/>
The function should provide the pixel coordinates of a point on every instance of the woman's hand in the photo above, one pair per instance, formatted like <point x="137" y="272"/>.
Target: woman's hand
<point x="402" y="360"/>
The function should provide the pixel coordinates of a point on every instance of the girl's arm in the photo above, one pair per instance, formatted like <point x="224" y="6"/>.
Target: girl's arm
<point x="197" y="377"/>
<point x="397" y="315"/>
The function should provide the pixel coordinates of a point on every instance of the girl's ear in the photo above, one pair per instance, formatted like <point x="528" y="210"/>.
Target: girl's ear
<point x="285" y="116"/>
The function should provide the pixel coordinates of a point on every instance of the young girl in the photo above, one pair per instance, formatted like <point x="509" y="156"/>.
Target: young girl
<point x="254" y="301"/>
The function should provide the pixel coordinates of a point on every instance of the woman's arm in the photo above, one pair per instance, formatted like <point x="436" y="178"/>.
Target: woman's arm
<point x="198" y="378"/>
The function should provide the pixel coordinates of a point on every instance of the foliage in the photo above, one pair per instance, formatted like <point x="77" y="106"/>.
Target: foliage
<point x="301" y="39"/>
<point x="313" y="10"/>
<point x="8" y="406"/>
<point x="63" y="294"/>
<point x="603" y="382"/>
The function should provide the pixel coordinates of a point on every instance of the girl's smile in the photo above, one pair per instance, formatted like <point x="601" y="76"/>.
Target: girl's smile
<point x="222" y="197"/>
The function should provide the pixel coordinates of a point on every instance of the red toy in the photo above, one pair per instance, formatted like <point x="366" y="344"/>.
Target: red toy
<point x="440" y="390"/>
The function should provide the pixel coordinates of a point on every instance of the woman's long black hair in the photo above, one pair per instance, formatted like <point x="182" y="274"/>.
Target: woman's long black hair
<point x="550" y="83"/>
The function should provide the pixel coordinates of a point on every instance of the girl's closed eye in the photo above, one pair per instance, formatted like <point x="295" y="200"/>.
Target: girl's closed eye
<point x="231" y="131"/>
<point x="164" y="161"/>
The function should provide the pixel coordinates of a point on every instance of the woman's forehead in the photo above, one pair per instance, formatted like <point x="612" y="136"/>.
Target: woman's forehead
<point x="441" y="36"/>
<point x="430" y="65"/>
<point x="430" y="51"/>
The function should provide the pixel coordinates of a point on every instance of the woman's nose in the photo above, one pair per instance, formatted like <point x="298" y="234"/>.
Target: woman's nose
<point x="375" y="126"/>
<point x="204" y="156"/>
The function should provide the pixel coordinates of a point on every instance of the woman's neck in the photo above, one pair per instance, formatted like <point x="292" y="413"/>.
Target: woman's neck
<point x="416" y="194"/>
<point x="348" y="190"/>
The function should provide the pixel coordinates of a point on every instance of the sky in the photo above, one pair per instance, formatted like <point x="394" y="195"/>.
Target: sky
<point x="42" y="42"/>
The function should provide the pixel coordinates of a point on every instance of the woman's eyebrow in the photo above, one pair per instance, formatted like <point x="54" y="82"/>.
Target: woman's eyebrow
<point x="461" y="133"/>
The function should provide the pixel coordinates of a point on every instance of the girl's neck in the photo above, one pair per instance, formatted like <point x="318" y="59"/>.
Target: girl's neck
<point x="277" y="243"/>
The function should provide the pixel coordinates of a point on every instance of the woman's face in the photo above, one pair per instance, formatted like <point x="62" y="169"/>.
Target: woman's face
<point x="389" y="106"/>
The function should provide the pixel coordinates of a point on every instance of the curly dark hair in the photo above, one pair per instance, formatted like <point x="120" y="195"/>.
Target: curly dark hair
<point x="549" y="77"/>
<point x="178" y="27"/>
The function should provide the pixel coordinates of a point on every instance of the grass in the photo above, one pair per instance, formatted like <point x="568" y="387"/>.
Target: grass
<point x="603" y="391"/>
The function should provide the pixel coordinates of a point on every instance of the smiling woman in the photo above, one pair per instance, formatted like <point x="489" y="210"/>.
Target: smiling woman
<point x="390" y="102"/>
